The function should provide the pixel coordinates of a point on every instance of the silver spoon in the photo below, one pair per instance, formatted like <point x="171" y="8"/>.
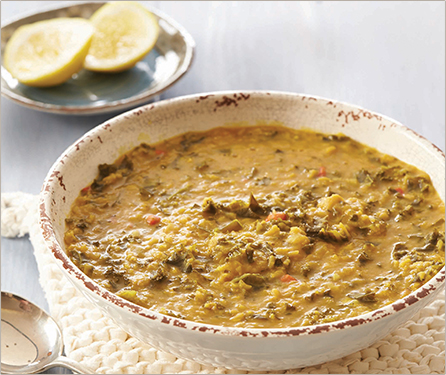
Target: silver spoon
<point x="31" y="339"/>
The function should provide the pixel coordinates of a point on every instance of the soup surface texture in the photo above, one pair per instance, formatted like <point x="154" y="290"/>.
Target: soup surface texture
<point x="258" y="227"/>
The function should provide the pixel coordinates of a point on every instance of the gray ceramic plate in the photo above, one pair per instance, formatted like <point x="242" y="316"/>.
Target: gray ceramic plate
<point x="88" y="92"/>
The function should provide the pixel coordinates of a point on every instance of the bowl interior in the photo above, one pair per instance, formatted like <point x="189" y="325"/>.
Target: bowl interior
<point x="77" y="167"/>
<point x="91" y="91"/>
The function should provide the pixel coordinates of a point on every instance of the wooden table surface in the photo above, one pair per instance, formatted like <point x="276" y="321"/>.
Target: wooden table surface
<point x="388" y="57"/>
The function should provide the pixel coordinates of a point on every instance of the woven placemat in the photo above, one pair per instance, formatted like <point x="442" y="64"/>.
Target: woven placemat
<point x="90" y="338"/>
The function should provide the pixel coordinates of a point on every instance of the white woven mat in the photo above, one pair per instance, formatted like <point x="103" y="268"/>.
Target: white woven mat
<point x="95" y="341"/>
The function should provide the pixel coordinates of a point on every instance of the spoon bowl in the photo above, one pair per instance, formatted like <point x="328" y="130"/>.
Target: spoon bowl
<point x="31" y="341"/>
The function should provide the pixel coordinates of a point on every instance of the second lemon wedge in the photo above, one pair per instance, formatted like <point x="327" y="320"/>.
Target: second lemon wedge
<point x="48" y="53"/>
<point x="125" y="33"/>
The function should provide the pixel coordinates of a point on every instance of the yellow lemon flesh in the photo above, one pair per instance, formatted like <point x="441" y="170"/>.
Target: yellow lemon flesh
<point x="125" y="33"/>
<point x="47" y="53"/>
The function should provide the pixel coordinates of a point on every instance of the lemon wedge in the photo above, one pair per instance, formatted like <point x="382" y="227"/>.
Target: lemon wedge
<point x="125" y="33"/>
<point x="48" y="53"/>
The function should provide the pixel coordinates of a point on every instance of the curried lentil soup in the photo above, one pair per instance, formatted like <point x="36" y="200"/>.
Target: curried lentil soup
<point x="258" y="227"/>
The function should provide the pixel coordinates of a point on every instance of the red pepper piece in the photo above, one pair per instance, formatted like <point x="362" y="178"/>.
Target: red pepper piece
<point x="277" y="216"/>
<point x="287" y="278"/>
<point x="153" y="219"/>
<point x="399" y="190"/>
<point x="322" y="172"/>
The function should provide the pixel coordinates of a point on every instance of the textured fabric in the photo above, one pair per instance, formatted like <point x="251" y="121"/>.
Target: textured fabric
<point x="418" y="347"/>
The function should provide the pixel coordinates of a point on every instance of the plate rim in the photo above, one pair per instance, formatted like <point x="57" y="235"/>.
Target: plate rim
<point x="115" y="105"/>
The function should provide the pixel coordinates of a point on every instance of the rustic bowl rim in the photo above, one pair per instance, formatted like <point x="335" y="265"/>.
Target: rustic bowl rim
<point x="48" y="232"/>
<point x="116" y="105"/>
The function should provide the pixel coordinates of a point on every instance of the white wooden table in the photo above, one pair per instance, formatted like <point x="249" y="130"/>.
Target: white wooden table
<point x="386" y="56"/>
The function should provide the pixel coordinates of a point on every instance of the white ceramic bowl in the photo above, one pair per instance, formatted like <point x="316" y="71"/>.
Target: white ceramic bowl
<point x="249" y="349"/>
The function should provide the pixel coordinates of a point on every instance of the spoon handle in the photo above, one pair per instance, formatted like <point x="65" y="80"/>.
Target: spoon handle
<point x="68" y="363"/>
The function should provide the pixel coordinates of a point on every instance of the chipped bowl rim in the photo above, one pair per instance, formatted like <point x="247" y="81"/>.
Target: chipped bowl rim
<point x="432" y="286"/>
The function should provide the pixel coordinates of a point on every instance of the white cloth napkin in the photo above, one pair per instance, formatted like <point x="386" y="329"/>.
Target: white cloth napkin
<point x="92" y="339"/>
